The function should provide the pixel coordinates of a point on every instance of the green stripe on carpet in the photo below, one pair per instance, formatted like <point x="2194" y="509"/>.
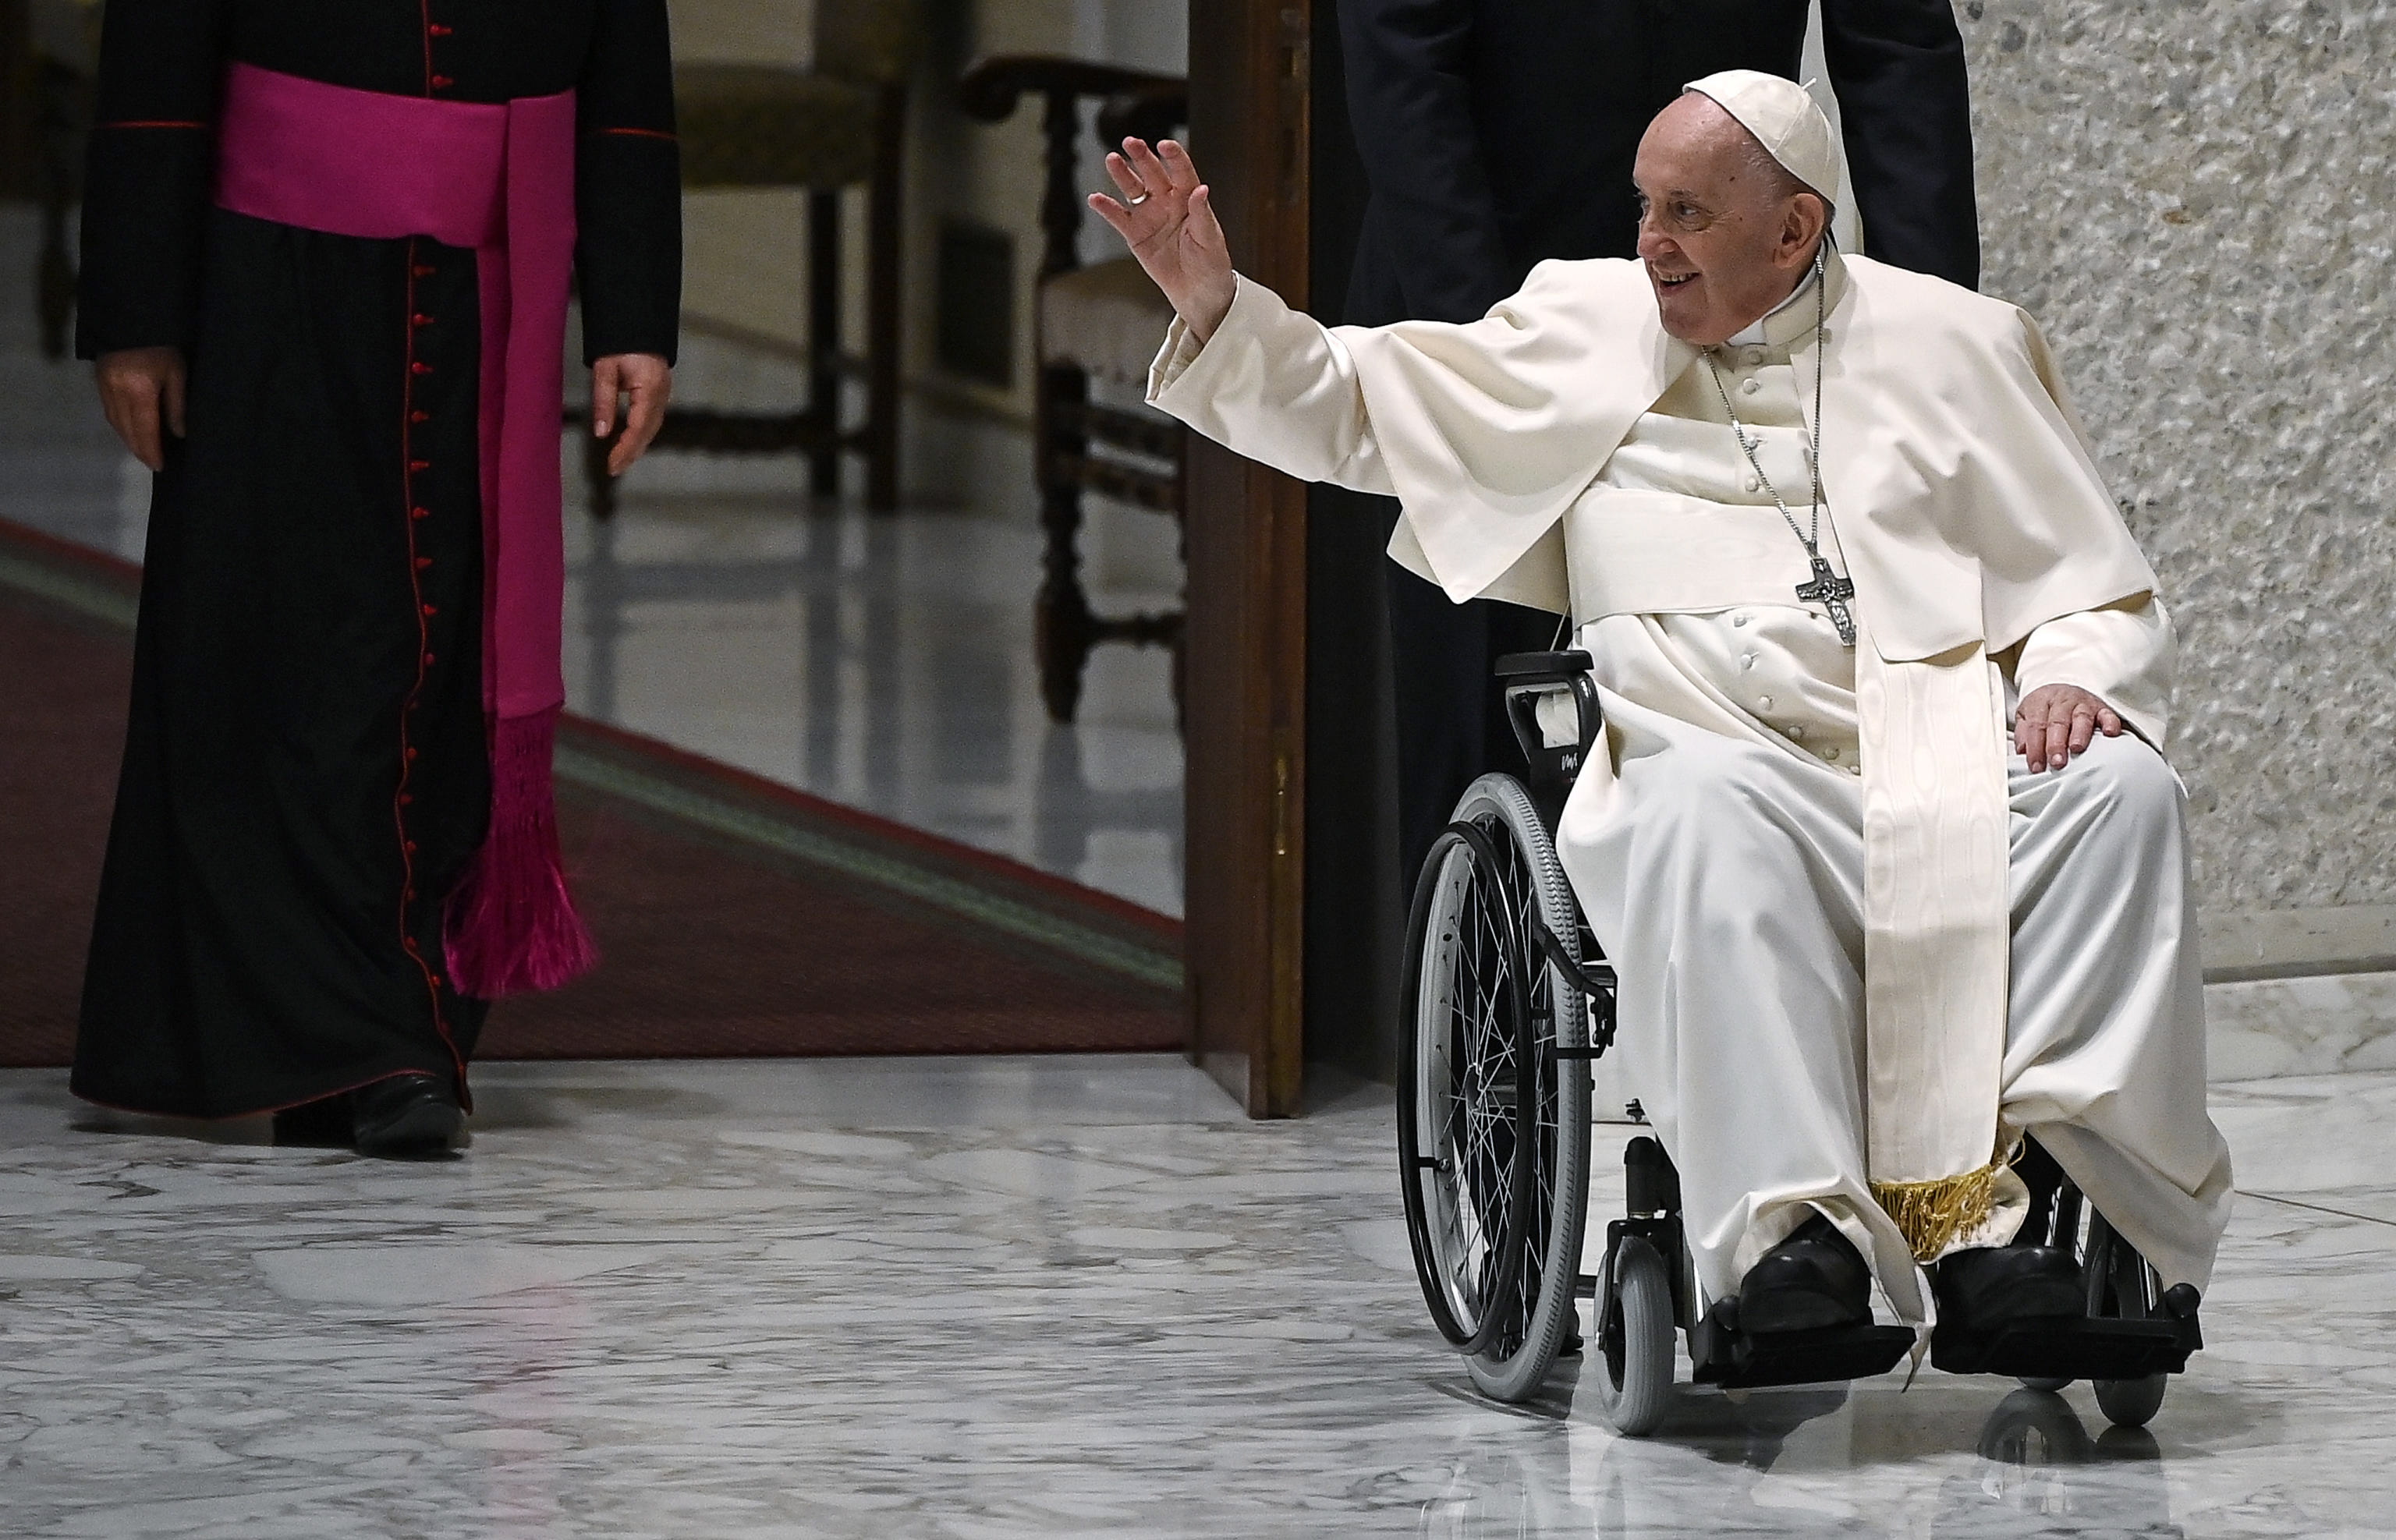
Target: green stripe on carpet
<point x="89" y="595"/>
<point x="934" y="889"/>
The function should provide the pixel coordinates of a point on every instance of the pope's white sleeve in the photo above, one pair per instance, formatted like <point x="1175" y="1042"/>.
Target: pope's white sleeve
<point x="1275" y="385"/>
<point x="2122" y="655"/>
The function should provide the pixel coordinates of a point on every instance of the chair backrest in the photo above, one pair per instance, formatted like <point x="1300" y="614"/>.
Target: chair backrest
<point x="868" y="40"/>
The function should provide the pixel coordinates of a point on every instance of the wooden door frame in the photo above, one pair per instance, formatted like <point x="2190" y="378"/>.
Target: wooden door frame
<point x="1246" y="684"/>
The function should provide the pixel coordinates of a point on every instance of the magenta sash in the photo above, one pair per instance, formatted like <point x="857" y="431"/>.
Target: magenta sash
<point x="497" y="178"/>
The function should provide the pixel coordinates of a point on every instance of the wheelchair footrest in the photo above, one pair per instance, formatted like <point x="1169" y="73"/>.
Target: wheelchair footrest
<point x="1735" y="1361"/>
<point x="2100" y="1348"/>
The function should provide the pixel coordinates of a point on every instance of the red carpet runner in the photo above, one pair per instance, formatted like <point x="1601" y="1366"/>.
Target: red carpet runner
<point x="737" y="919"/>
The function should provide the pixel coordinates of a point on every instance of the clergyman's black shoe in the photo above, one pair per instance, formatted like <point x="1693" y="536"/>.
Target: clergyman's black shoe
<point x="1814" y="1280"/>
<point x="323" y="1124"/>
<point x="405" y="1116"/>
<point x="1983" y="1289"/>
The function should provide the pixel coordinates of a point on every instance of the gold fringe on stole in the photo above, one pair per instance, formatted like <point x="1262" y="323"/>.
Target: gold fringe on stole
<point x="1931" y="1215"/>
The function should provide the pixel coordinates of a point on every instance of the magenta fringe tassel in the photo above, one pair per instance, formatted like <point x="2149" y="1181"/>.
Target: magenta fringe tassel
<point x="510" y="925"/>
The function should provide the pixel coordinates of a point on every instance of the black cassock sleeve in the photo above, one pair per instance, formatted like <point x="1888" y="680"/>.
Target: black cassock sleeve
<point x="628" y="191"/>
<point x="1905" y="101"/>
<point x="149" y="174"/>
<point x="1410" y="98"/>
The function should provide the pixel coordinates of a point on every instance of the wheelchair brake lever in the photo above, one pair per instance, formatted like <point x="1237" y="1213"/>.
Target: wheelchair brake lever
<point x="1588" y="983"/>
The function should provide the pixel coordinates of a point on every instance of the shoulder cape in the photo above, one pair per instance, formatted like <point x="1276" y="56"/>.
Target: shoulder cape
<point x="1966" y="499"/>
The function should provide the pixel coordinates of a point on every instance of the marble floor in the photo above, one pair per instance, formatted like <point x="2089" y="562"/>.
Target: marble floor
<point x="982" y="1299"/>
<point x="884" y="662"/>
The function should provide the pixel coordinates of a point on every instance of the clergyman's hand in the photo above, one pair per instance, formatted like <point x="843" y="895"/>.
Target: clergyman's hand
<point x="643" y="379"/>
<point x="1169" y="224"/>
<point x="139" y="389"/>
<point x="2056" y="723"/>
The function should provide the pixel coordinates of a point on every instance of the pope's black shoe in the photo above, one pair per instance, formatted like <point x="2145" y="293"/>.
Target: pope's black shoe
<point x="405" y="1116"/>
<point x="1984" y="1288"/>
<point x="1814" y="1280"/>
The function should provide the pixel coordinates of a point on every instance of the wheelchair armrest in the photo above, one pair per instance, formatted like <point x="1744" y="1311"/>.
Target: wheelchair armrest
<point x="1542" y="667"/>
<point x="1526" y="677"/>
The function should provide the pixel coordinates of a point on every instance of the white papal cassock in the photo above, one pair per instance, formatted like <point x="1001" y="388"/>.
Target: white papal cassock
<point x="1720" y="849"/>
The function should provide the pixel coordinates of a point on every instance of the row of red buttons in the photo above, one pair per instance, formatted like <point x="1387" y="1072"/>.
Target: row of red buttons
<point x="418" y="467"/>
<point x="415" y="466"/>
<point x="419" y="320"/>
<point x="436" y="82"/>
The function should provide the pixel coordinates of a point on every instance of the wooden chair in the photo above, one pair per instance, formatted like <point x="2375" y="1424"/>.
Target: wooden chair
<point x="1102" y="320"/>
<point x="838" y="124"/>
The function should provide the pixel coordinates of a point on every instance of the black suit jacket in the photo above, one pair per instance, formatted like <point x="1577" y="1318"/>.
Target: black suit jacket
<point x="1499" y="133"/>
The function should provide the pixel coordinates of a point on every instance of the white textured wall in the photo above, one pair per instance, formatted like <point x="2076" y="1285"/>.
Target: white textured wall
<point x="2197" y="198"/>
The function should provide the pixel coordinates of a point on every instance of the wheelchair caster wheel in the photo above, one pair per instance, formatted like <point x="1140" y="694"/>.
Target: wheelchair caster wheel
<point x="1631" y="1363"/>
<point x="2047" y="1383"/>
<point x="2132" y="1403"/>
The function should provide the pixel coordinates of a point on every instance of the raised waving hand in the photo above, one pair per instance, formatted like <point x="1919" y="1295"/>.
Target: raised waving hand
<point x="1169" y="224"/>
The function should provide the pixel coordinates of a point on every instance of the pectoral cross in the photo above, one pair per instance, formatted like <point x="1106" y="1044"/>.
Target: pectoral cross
<point x="1833" y="593"/>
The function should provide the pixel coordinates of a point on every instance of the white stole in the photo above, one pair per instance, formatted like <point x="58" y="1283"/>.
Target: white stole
<point x="1937" y="936"/>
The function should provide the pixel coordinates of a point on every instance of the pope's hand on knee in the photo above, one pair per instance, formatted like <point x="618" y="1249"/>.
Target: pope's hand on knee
<point x="2056" y="723"/>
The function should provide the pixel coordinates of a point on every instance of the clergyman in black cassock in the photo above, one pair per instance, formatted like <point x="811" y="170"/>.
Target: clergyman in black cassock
<point x="306" y="773"/>
<point x="1497" y="134"/>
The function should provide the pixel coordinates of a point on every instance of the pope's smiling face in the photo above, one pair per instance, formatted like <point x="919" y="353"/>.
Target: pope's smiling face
<point x="1724" y="232"/>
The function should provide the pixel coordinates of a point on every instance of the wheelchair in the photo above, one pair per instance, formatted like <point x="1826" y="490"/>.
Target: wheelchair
<point x="1508" y="1002"/>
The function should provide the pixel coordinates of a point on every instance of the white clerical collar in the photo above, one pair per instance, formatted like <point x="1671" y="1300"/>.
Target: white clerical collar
<point x="1778" y="327"/>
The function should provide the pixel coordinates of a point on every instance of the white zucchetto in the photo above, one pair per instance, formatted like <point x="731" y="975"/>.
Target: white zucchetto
<point x="1784" y="119"/>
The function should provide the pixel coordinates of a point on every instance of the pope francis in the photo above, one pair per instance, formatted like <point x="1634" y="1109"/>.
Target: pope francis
<point x="1832" y="536"/>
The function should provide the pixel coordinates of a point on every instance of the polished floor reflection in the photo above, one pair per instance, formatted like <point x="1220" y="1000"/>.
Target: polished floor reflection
<point x="994" y="1298"/>
<point x="883" y="662"/>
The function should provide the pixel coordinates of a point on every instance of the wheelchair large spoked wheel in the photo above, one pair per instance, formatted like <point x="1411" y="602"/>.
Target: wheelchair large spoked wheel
<point x="1492" y="1127"/>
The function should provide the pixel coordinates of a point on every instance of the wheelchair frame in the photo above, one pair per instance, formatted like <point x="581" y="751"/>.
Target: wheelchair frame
<point x="1508" y="1003"/>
